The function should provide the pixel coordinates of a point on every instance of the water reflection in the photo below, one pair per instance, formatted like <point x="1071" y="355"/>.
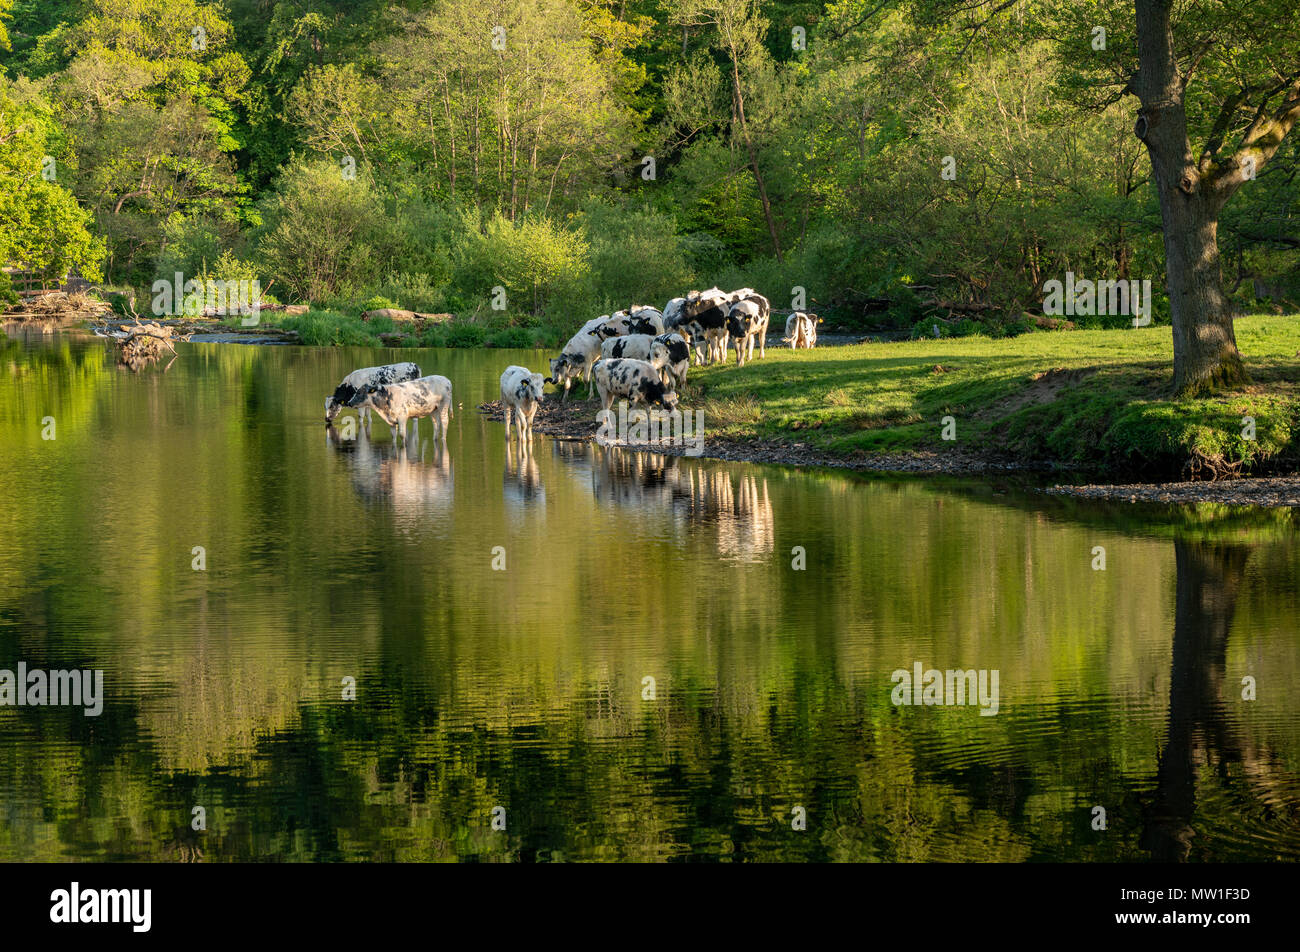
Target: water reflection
<point x="411" y="478"/>
<point x="521" y="482"/>
<point x="734" y="508"/>
<point x="1203" y="737"/>
<point x="352" y="557"/>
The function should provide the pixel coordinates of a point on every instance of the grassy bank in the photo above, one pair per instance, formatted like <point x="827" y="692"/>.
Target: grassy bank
<point x="1092" y="400"/>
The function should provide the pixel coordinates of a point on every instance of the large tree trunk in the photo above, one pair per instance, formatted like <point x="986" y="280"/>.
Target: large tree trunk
<point x="1205" y="349"/>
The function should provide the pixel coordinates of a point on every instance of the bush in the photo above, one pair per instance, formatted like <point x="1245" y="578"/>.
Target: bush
<point x="535" y="260"/>
<point x="320" y="231"/>
<point x="636" y="256"/>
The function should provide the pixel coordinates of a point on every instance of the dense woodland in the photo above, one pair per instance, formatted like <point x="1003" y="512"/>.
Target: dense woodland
<point x="918" y="165"/>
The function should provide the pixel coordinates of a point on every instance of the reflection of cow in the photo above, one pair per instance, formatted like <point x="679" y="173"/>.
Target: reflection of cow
<point x="410" y="481"/>
<point x="521" y="483"/>
<point x="742" y="516"/>
<point x="689" y="495"/>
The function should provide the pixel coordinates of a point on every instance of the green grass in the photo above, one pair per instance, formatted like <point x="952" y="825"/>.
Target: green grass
<point x="1106" y="402"/>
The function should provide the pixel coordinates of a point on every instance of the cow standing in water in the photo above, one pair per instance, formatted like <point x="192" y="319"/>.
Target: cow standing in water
<point x="521" y="394"/>
<point x="396" y="403"/>
<point x="365" y="379"/>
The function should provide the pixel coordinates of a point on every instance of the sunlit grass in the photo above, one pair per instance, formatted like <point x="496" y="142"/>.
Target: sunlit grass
<point x="1075" y="397"/>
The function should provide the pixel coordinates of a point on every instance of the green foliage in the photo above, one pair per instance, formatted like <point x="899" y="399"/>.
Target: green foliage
<point x="319" y="230"/>
<point x="42" y="228"/>
<point x="774" y="167"/>
<point x="537" y="262"/>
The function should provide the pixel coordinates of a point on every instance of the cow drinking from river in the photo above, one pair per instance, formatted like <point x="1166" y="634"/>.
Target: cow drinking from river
<point x="364" y="379"/>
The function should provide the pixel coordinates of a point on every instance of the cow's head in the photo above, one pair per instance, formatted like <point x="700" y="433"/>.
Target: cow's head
<point x="653" y="391"/>
<point x="339" y="399"/>
<point x="530" y="388"/>
<point x="677" y="349"/>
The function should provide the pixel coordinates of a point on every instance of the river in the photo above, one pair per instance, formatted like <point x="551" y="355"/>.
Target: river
<point x="318" y="649"/>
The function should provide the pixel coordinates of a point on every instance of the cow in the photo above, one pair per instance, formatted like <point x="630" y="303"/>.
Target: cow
<point x="674" y="312"/>
<point x="575" y="361"/>
<point x="635" y="380"/>
<point x="710" y="325"/>
<point x="637" y="347"/>
<point x="745" y="322"/>
<point x="521" y="393"/>
<point x="679" y="359"/>
<point x="801" y="330"/>
<point x="361" y="380"/>
<point x="639" y="319"/>
<point x="396" y="403"/>
<point x="701" y="319"/>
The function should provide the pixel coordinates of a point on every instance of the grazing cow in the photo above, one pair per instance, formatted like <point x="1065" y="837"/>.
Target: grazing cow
<point x="744" y="323"/>
<point x="361" y="380"/>
<point x="679" y="359"/>
<point x="637" y="347"/>
<point x="635" y="380"/>
<point x="396" y="403"/>
<point x="575" y="361"/>
<point x="521" y="393"/>
<point x="801" y="330"/>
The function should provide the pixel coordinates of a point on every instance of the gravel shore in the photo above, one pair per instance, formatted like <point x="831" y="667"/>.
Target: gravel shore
<point x="1268" y="492"/>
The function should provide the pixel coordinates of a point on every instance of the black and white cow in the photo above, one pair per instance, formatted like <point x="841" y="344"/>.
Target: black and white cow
<point x="744" y="323"/>
<point x="576" y="361"/>
<point x="361" y="380"/>
<point x="637" y="347"/>
<point x="639" y="319"/>
<point x="521" y="394"/>
<point x="396" y="403"/>
<point x="679" y="359"/>
<point x="634" y="380"/>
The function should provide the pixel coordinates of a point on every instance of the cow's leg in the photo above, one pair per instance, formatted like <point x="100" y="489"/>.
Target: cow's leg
<point x="509" y="412"/>
<point x="445" y="414"/>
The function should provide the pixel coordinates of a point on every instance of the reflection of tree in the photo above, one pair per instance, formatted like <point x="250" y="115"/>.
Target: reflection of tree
<point x="1209" y="576"/>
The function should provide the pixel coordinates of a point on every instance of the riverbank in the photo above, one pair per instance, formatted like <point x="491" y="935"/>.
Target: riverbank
<point x="1092" y="404"/>
<point x="1096" y="403"/>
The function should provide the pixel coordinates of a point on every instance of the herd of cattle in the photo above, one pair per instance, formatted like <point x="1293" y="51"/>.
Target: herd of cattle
<point x="640" y="354"/>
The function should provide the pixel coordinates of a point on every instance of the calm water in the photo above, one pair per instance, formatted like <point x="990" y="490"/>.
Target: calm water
<point x="522" y="689"/>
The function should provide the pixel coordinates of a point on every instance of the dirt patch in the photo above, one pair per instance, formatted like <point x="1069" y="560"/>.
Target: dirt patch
<point x="1044" y="387"/>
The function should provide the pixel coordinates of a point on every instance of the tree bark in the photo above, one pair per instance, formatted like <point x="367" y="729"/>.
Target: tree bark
<point x="1206" y="358"/>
